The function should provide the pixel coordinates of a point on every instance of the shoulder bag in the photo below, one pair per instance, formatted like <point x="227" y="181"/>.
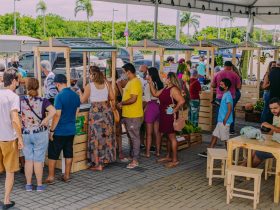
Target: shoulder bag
<point x="114" y="110"/>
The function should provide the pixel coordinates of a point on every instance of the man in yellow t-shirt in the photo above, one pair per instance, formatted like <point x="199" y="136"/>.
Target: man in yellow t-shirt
<point x="132" y="112"/>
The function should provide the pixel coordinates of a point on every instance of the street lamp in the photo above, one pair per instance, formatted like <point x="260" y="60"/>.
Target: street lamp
<point x="15" y="18"/>
<point x="113" y="26"/>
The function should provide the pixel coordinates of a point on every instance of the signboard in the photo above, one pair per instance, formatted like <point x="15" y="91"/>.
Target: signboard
<point x="170" y="67"/>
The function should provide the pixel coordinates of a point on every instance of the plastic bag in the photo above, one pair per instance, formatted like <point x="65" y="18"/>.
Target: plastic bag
<point x="251" y="133"/>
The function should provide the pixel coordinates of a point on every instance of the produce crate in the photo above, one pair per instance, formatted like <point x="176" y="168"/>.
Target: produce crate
<point x="185" y="141"/>
<point x="252" y="117"/>
<point x="79" y="155"/>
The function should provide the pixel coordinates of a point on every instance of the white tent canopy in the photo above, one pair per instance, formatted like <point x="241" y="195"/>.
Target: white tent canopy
<point x="265" y="12"/>
<point x="16" y="44"/>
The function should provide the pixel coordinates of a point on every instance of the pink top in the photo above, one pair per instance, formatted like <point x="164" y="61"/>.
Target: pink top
<point x="232" y="76"/>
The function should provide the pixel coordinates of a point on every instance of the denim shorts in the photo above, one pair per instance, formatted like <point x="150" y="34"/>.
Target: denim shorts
<point x="264" y="155"/>
<point x="35" y="146"/>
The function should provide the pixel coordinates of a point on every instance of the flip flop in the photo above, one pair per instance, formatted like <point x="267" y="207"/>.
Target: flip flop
<point x="49" y="182"/>
<point x="7" y="206"/>
<point x="164" y="160"/>
<point x="132" y="165"/>
<point x="171" y="164"/>
<point x="96" y="168"/>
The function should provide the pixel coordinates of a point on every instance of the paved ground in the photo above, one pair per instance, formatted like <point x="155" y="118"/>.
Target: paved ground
<point x="151" y="186"/>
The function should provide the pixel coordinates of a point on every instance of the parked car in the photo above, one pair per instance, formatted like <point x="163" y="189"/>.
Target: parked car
<point x="122" y="54"/>
<point x="26" y="61"/>
<point x="147" y="62"/>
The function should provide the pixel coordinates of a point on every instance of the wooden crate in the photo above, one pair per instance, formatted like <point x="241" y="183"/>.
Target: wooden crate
<point x="206" y="113"/>
<point x="195" y="138"/>
<point x="79" y="155"/>
<point x="182" y="144"/>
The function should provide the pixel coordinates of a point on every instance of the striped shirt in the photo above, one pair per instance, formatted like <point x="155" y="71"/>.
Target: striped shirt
<point x="49" y="86"/>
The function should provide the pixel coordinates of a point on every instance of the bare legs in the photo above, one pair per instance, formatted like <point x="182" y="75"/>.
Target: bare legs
<point x="150" y="129"/>
<point x="38" y="169"/>
<point x="68" y="165"/>
<point x="173" y="147"/>
<point x="9" y="183"/>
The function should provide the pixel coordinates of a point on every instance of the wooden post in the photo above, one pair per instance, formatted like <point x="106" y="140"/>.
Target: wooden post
<point x="276" y="55"/>
<point x="188" y="55"/>
<point x="212" y="63"/>
<point x="258" y="71"/>
<point x="208" y="61"/>
<point x="114" y="60"/>
<point x="161" y="59"/>
<point x="131" y="54"/>
<point x="84" y="69"/>
<point x="252" y="63"/>
<point x="68" y="70"/>
<point x="38" y="63"/>
<point x="234" y="56"/>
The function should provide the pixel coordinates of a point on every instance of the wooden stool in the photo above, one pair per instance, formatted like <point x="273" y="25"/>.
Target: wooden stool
<point x="254" y="173"/>
<point x="268" y="168"/>
<point x="236" y="158"/>
<point x="212" y="155"/>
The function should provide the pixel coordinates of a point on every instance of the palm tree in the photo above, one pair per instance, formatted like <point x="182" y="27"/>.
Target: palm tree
<point x="229" y="19"/>
<point x="42" y="7"/>
<point x="187" y="18"/>
<point x="84" y="5"/>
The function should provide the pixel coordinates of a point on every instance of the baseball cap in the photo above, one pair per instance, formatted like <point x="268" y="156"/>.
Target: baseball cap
<point x="60" y="78"/>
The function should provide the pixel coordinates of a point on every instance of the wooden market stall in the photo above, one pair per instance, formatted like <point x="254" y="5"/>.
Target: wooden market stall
<point x="160" y="46"/>
<point x="250" y="91"/>
<point x="207" y="111"/>
<point x="66" y="46"/>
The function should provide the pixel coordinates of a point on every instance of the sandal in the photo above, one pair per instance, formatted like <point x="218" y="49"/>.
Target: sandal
<point x="9" y="205"/>
<point x="132" y="165"/>
<point x="62" y="178"/>
<point x="49" y="181"/>
<point x="171" y="164"/>
<point x="164" y="160"/>
<point x="124" y="160"/>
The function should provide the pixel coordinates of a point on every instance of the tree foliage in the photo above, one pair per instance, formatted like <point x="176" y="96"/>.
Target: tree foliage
<point x="56" y="26"/>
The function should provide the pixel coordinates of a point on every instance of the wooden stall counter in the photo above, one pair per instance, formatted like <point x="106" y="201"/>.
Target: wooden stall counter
<point x="206" y="112"/>
<point x="80" y="143"/>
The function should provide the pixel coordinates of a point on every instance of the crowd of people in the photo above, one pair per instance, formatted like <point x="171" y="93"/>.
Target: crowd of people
<point x="147" y="104"/>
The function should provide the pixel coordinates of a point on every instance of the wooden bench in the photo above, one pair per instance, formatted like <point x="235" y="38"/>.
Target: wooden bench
<point x="254" y="173"/>
<point x="268" y="168"/>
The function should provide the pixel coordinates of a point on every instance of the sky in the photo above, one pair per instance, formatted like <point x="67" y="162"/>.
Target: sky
<point x="103" y="11"/>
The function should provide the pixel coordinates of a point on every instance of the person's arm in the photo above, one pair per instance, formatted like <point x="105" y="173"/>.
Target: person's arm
<point x="273" y="128"/>
<point x="131" y="100"/>
<point x="17" y="126"/>
<point x="55" y="121"/>
<point x="177" y="96"/>
<point x="154" y="91"/>
<point x="238" y="82"/>
<point x="229" y="107"/>
<point x="51" y="112"/>
<point x="85" y="96"/>
<point x="265" y="82"/>
<point x="52" y="91"/>
<point x="111" y="96"/>
<point x="214" y="82"/>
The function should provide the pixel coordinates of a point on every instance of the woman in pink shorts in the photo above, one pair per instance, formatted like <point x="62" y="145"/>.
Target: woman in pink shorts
<point x="151" y="114"/>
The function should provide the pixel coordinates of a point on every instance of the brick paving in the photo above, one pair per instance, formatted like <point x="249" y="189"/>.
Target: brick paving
<point x="151" y="186"/>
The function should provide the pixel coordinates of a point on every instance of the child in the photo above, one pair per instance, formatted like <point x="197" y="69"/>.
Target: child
<point x="195" y="89"/>
<point x="225" y="116"/>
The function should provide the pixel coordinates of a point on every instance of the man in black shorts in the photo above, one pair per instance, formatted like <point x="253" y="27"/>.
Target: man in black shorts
<point x="63" y="130"/>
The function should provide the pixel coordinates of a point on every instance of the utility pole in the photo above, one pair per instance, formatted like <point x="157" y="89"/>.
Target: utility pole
<point x="126" y="27"/>
<point x="177" y="32"/>
<point x="155" y="29"/>
<point x="113" y="26"/>
<point x="15" y="18"/>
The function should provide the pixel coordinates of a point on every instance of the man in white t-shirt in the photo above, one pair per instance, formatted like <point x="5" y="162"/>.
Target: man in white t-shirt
<point x="10" y="132"/>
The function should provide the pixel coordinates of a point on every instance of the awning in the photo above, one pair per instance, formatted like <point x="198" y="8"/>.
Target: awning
<point x="266" y="12"/>
<point x="81" y="44"/>
<point x="16" y="44"/>
<point x="217" y="43"/>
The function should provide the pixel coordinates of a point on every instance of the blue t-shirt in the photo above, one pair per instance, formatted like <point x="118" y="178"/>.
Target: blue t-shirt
<point x="227" y="98"/>
<point x="68" y="102"/>
<point x="201" y="68"/>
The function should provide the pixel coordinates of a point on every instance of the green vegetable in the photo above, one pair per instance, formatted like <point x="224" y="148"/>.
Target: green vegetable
<point x="190" y="128"/>
<point x="259" y="106"/>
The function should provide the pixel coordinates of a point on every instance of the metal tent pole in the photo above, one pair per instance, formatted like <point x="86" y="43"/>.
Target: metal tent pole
<point x="126" y="27"/>
<point x="250" y="27"/>
<point x="177" y="32"/>
<point x="155" y="29"/>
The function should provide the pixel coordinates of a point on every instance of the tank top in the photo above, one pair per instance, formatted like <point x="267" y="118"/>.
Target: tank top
<point x="98" y="95"/>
